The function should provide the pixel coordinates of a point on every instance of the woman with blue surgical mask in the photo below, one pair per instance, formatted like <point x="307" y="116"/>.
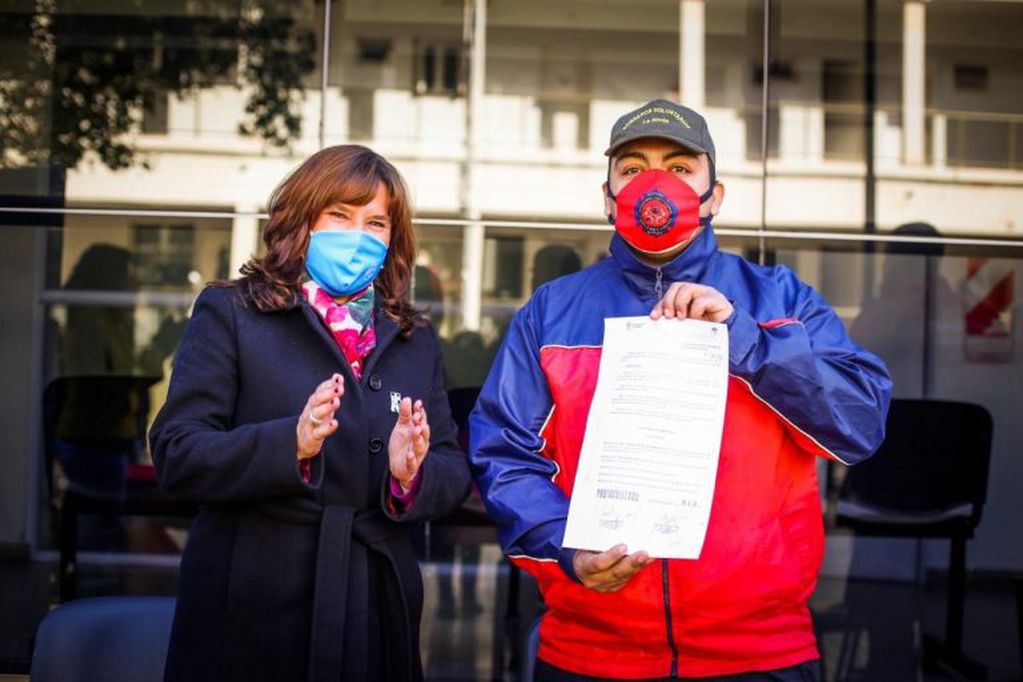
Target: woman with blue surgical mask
<point x="307" y="416"/>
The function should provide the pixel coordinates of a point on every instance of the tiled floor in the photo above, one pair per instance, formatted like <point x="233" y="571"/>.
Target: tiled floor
<point x="881" y="625"/>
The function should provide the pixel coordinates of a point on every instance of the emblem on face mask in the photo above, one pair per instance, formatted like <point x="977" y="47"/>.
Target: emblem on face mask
<point x="655" y="213"/>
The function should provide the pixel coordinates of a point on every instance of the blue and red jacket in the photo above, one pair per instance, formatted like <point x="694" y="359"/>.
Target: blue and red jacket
<point x="799" y="388"/>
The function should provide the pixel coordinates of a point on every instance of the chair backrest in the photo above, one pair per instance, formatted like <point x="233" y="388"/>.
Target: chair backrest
<point x="935" y="457"/>
<point x="116" y="639"/>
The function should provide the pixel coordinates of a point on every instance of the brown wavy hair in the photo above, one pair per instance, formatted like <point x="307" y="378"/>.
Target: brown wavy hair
<point x="345" y="174"/>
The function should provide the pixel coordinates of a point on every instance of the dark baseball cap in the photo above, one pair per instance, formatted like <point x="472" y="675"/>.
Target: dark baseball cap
<point x="667" y="121"/>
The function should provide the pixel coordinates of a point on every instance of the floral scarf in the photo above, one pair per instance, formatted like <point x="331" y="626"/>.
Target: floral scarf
<point x="349" y="319"/>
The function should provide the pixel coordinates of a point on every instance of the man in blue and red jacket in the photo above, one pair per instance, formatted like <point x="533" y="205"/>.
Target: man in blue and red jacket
<point x="798" y="389"/>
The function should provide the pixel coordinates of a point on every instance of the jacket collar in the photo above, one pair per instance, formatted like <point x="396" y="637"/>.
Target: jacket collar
<point x="688" y="266"/>
<point x="386" y="331"/>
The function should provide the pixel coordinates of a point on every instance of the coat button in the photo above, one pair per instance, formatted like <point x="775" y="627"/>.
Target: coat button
<point x="375" y="445"/>
<point x="375" y="383"/>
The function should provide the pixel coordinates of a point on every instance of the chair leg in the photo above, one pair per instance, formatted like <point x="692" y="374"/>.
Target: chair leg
<point x="512" y="619"/>
<point x="1018" y="582"/>
<point x="67" y="579"/>
<point x="949" y="653"/>
<point x="846" y="654"/>
<point x="956" y="602"/>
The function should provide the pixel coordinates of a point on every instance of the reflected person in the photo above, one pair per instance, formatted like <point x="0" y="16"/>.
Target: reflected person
<point x="103" y="403"/>
<point x="927" y="308"/>
<point x="96" y="435"/>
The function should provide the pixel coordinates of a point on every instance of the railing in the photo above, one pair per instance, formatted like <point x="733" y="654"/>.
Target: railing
<point x="996" y="134"/>
<point x="800" y="129"/>
<point x="752" y="233"/>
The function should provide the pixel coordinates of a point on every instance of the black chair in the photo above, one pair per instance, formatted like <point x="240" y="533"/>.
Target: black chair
<point x="101" y="403"/>
<point x="927" y="480"/>
<point x="116" y="639"/>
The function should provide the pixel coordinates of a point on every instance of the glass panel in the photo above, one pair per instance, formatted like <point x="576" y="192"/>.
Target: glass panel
<point x="518" y="261"/>
<point x="944" y="320"/>
<point x="942" y="101"/>
<point x="553" y="86"/>
<point x="547" y="254"/>
<point x="973" y="56"/>
<point x="397" y="85"/>
<point x="209" y="104"/>
<point x="156" y="102"/>
<point x="438" y="289"/>
<point x="733" y="80"/>
<point x="117" y="300"/>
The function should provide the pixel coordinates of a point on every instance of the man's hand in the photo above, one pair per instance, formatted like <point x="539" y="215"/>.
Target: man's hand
<point x="608" y="571"/>
<point x="696" y="301"/>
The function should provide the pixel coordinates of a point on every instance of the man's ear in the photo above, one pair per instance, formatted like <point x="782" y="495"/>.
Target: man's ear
<point x="609" y="205"/>
<point x="717" y="198"/>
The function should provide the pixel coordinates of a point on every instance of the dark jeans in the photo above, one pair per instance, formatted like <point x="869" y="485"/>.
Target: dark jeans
<point x="804" y="672"/>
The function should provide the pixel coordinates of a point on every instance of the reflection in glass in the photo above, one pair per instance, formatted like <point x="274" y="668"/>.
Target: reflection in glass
<point x="878" y="596"/>
<point x="111" y="329"/>
<point x="77" y="84"/>
<point x="100" y="423"/>
<point x="913" y="291"/>
<point x="195" y="104"/>
<point x="437" y="280"/>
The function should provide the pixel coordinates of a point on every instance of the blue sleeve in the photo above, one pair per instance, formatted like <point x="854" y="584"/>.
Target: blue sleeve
<point x="834" y="393"/>
<point x="514" y="478"/>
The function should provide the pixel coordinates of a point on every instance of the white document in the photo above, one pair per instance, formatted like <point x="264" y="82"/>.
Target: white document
<point x="649" y="458"/>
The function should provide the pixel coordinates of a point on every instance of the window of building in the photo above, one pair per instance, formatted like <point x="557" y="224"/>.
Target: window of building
<point x="971" y="77"/>
<point x="503" y="267"/>
<point x="438" y="69"/>
<point x="374" y="50"/>
<point x="164" y="254"/>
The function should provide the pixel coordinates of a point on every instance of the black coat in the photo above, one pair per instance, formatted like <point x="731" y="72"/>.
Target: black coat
<point x="283" y="579"/>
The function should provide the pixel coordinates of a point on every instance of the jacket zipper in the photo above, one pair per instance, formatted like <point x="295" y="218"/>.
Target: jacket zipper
<point x="667" y="611"/>
<point x="659" y="293"/>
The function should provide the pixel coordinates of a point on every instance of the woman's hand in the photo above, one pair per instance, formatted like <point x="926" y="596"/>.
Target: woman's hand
<point x="410" y="441"/>
<point x="317" y="419"/>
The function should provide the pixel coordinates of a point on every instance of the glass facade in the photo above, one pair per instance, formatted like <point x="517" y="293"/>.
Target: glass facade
<point x="139" y="143"/>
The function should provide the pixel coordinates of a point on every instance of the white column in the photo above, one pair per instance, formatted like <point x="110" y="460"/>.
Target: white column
<point x="472" y="241"/>
<point x="691" y="65"/>
<point x="913" y="90"/>
<point x="244" y="237"/>
<point x="939" y="140"/>
<point x="802" y="132"/>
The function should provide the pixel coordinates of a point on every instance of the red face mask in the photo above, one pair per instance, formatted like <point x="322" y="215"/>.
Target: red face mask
<point x="657" y="211"/>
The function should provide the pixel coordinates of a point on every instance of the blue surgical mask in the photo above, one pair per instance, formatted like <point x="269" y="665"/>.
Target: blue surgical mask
<point x="344" y="261"/>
